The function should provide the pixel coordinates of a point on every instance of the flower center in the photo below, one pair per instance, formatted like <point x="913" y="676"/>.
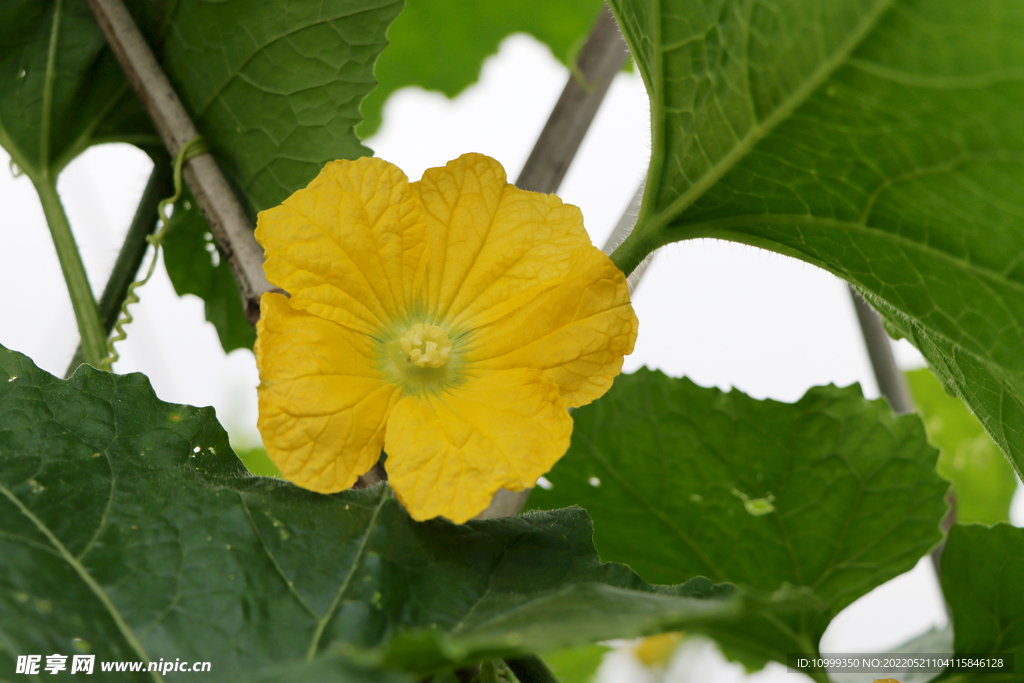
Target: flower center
<point x="426" y="346"/>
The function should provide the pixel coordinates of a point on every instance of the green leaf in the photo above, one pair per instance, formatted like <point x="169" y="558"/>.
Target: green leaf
<point x="258" y="462"/>
<point x="334" y="668"/>
<point x="130" y="524"/>
<point x="879" y="139"/>
<point x="441" y="44"/>
<point x="983" y="582"/>
<point x="576" y="665"/>
<point x="275" y="88"/>
<point x="833" y="492"/>
<point x="195" y="266"/>
<point x="983" y="480"/>
<point x="61" y="90"/>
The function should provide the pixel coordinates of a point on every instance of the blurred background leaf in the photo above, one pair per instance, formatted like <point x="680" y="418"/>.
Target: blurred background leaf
<point x="576" y="665"/>
<point x="441" y="44"/>
<point x="981" y="477"/>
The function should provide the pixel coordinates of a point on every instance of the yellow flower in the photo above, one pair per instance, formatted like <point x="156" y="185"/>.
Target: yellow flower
<point x="451" y="321"/>
<point x="657" y="650"/>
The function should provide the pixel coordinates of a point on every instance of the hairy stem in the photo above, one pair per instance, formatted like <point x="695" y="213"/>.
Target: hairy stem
<point x="132" y="252"/>
<point x="94" y="340"/>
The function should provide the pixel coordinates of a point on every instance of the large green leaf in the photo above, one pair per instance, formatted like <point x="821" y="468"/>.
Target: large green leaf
<point x="61" y="90"/>
<point x="832" y="492"/>
<point x="441" y="44"/>
<point x="879" y="139"/>
<point x="276" y="87"/>
<point x="128" y="523"/>
<point x="982" y="479"/>
<point x="983" y="581"/>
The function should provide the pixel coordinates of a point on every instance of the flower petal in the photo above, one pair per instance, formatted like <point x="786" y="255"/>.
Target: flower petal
<point x="492" y="245"/>
<point x="576" y="332"/>
<point x="323" y="406"/>
<point x="449" y="454"/>
<point x="348" y="246"/>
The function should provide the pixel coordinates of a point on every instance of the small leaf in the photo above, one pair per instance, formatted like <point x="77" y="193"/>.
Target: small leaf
<point x="982" y="479"/>
<point x="258" y="462"/>
<point x="983" y="582"/>
<point x="834" y="493"/>
<point x="130" y="524"/>
<point x="195" y="266"/>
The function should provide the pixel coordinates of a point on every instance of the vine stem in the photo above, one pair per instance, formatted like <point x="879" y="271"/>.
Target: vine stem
<point x="228" y="221"/>
<point x="129" y="259"/>
<point x="87" y="313"/>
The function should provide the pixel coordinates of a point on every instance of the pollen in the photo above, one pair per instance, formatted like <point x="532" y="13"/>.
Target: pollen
<point x="426" y="346"/>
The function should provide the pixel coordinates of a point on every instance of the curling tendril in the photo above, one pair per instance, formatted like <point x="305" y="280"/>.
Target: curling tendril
<point x="188" y="151"/>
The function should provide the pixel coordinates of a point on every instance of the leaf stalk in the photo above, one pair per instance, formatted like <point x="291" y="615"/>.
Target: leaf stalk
<point x="87" y="314"/>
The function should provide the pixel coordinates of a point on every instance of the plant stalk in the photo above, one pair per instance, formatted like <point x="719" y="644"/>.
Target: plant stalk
<point x="893" y="386"/>
<point x="228" y="221"/>
<point x="601" y="58"/>
<point x="129" y="260"/>
<point x="488" y="671"/>
<point x="891" y="383"/>
<point x="94" y="341"/>
<point x="622" y="230"/>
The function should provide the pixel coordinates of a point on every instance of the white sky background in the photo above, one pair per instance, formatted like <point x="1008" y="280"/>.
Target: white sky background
<point x="722" y="314"/>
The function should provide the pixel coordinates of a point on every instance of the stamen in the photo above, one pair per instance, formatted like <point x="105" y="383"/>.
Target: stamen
<point x="426" y="346"/>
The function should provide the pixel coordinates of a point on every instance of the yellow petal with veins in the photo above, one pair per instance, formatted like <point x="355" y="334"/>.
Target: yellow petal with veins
<point x="490" y="242"/>
<point x="576" y="332"/>
<point x="348" y="246"/>
<point x="323" y="406"/>
<point x="449" y="453"/>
